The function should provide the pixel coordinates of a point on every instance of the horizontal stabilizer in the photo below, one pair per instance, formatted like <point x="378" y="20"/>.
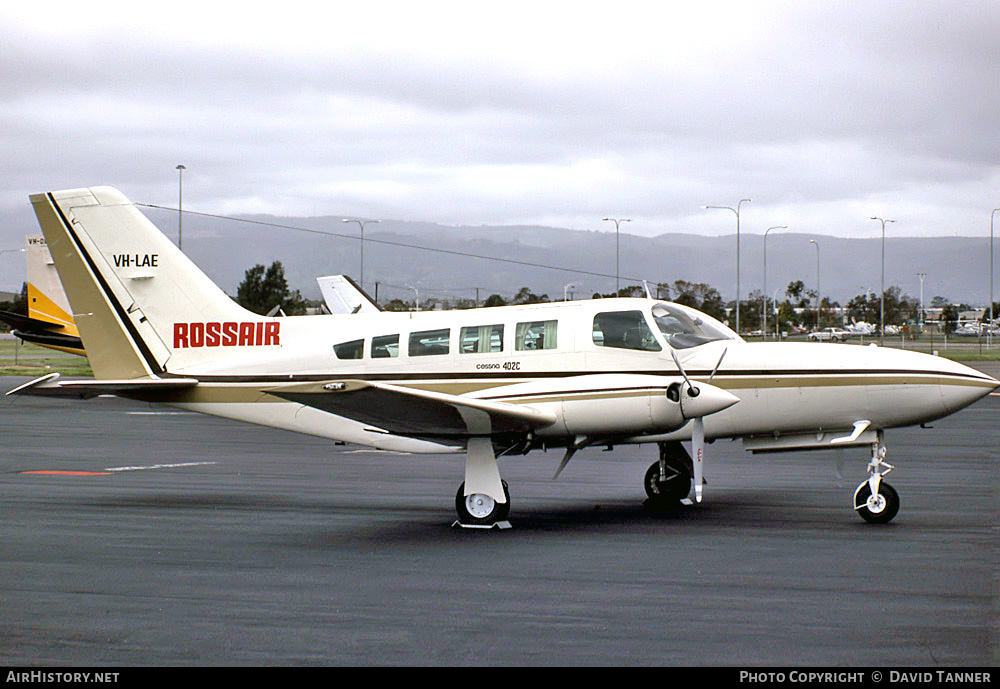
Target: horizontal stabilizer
<point x="410" y="411"/>
<point x="28" y="324"/>
<point x="51" y="386"/>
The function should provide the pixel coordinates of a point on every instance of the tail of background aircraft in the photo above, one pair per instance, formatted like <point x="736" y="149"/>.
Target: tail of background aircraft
<point x="137" y="300"/>
<point x="48" y="322"/>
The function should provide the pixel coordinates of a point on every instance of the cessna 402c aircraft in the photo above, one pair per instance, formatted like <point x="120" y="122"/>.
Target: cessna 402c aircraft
<point x="487" y="382"/>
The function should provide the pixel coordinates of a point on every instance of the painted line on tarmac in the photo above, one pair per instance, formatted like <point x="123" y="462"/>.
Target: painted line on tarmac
<point x="50" y="472"/>
<point x="160" y="466"/>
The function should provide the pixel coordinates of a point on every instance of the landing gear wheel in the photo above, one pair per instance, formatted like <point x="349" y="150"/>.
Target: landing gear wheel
<point x="480" y="509"/>
<point x="670" y="489"/>
<point x="877" y="509"/>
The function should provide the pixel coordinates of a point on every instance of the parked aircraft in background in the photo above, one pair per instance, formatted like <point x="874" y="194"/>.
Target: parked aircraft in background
<point x="342" y="295"/>
<point x="860" y="328"/>
<point x="48" y="322"/>
<point x="487" y="382"/>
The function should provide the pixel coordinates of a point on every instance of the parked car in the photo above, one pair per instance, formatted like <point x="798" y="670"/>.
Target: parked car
<point x="829" y="335"/>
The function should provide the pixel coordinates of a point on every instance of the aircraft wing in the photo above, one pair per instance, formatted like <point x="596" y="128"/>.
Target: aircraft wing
<point x="51" y="386"/>
<point x="414" y="412"/>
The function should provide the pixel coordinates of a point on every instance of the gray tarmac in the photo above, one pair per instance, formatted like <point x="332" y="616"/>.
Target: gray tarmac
<point x="220" y="543"/>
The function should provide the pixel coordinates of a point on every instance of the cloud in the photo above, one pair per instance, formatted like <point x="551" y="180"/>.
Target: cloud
<point x="551" y="113"/>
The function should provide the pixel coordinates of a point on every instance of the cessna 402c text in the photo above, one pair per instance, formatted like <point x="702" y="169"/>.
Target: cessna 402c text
<point x="487" y="382"/>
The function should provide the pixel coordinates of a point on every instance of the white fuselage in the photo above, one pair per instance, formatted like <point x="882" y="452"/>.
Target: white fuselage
<point x="782" y="387"/>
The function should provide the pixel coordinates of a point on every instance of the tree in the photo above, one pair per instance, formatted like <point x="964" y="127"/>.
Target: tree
<point x="700" y="296"/>
<point x="264" y="289"/>
<point x="949" y="319"/>
<point x="495" y="300"/>
<point x="526" y="296"/>
<point x="794" y="291"/>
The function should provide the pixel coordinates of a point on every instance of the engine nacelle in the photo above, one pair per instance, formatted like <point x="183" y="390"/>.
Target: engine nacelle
<point x="601" y="404"/>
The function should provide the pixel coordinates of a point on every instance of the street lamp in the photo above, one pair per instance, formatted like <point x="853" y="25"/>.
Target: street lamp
<point x="989" y="330"/>
<point x="737" y="212"/>
<point x="180" y="204"/>
<point x="566" y="290"/>
<point x="921" y="276"/>
<point x="616" y="221"/>
<point x="361" y="224"/>
<point x="819" y="295"/>
<point x="881" y="334"/>
<point x="764" y="326"/>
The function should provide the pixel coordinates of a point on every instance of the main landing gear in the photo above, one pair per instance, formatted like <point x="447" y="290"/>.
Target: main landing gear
<point x="875" y="500"/>
<point x="480" y="509"/>
<point x="668" y="480"/>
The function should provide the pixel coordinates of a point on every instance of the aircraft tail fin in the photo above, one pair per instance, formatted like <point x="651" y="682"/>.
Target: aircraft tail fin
<point x="139" y="303"/>
<point x="342" y="295"/>
<point x="47" y="300"/>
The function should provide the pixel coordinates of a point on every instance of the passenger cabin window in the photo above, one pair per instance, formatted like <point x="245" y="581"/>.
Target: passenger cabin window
<point x="535" y="335"/>
<point x="429" y="342"/>
<point x="355" y="349"/>
<point x="684" y="330"/>
<point x="385" y="347"/>
<point x="624" y="330"/>
<point x="481" y="339"/>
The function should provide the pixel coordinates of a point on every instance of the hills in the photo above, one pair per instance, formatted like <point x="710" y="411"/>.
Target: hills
<point x="547" y="259"/>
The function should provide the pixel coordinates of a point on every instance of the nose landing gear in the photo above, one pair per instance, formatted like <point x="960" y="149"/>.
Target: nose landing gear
<point x="875" y="500"/>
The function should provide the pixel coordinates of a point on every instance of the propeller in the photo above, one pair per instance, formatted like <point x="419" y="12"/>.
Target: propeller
<point x="701" y="401"/>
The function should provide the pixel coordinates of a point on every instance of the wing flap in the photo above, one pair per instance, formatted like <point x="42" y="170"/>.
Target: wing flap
<point x="411" y="411"/>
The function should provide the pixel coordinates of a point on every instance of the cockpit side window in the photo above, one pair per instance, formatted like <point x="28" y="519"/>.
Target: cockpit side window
<point x="624" y="330"/>
<point x="683" y="330"/>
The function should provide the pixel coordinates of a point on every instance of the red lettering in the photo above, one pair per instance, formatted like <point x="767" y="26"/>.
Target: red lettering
<point x="180" y="335"/>
<point x="246" y="334"/>
<point x="271" y="333"/>
<point x="229" y="334"/>
<point x="197" y="333"/>
<point x="212" y="334"/>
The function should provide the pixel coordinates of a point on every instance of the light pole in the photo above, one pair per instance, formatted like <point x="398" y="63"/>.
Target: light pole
<point x="763" y="328"/>
<point x="881" y="334"/>
<point x="989" y="330"/>
<point x="616" y="221"/>
<point x="180" y="205"/>
<point x="921" y="276"/>
<point x="361" y="224"/>
<point x="819" y="295"/>
<point x="737" y="212"/>
<point x="566" y="290"/>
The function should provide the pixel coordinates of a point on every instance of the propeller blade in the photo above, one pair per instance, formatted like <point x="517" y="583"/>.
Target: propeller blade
<point x="684" y="374"/>
<point x="718" y="364"/>
<point x="698" y="454"/>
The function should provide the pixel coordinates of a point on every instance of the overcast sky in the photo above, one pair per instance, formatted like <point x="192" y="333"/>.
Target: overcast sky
<point x="823" y="113"/>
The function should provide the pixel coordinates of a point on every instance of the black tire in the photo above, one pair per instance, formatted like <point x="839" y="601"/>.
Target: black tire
<point x="668" y="492"/>
<point x="474" y="510"/>
<point x="883" y="515"/>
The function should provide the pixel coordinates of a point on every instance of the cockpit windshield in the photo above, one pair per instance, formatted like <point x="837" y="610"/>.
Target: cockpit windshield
<point x="683" y="329"/>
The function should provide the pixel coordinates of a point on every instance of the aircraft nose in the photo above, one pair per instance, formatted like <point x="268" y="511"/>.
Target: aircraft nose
<point x="708" y="400"/>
